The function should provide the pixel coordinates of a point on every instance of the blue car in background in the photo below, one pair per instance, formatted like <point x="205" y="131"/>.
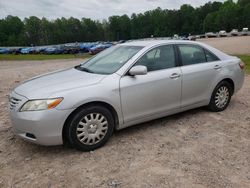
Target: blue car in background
<point x="4" y="51"/>
<point x="39" y="50"/>
<point x="85" y="47"/>
<point x="69" y="48"/>
<point x="15" y="50"/>
<point x="53" y="50"/>
<point x="98" y="48"/>
<point x="29" y="50"/>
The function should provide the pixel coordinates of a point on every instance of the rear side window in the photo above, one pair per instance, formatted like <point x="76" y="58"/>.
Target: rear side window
<point x="191" y="54"/>
<point x="210" y="57"/>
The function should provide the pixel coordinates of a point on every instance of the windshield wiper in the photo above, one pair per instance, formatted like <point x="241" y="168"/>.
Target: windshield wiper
<point x="84" y="69"/>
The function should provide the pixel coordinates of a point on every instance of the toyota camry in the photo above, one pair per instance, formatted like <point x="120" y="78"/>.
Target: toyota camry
<point x="127" y="84"/>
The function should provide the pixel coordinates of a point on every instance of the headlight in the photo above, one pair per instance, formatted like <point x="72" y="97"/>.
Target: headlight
<point x="42" y="104"/>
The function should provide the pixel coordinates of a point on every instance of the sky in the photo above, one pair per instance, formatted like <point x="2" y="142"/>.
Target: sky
<point x="94" y="9"/>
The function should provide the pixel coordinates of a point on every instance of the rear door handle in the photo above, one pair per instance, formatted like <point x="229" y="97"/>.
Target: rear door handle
<point x="175" y="75"/>
<point x="216" y="67"/>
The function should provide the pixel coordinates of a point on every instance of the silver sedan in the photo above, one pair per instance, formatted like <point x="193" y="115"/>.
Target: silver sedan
<point x="125" y="85"/>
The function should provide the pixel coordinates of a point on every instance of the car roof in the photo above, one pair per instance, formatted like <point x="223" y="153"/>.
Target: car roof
<point x="154" y="42"/>
<point x="148" y="43"/>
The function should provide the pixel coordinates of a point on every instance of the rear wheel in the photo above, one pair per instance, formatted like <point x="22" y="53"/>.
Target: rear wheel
<point x="90" y="128"/>
<point x="221" y="97"/>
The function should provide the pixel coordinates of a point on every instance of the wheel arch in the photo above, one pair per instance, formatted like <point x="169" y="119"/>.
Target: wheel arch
<point x="231" y="82"/>
<point x="98" y="103"/>
<point x="217" y="82"/>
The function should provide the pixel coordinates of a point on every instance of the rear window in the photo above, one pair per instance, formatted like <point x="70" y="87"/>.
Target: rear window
<point x="210" y="56"/>
<point x="194" y="54"/>
<point x="191" y="54"/>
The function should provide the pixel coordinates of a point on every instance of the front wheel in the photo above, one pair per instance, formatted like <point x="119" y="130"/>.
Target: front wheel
<point x="90" y="128"/>
<point x="221" y="97"/>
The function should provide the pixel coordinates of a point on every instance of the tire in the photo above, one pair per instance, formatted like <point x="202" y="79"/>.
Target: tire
<point x="221" y="97"/>
<point x="90" y="128"/>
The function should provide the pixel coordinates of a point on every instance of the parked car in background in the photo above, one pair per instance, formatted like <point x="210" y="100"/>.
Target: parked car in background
<point x="234" y="32"/>
<point x="183" y="37"/>
<point x="54" y="50"/>
<point x="15" y="50"/>
<point x="244" y="31"/>
<point x="4" y="50"/>
<point x="222" y="33"/>
<point x="71" y="48"/>
<point x="39" y="50"/>
<point x="210" y="35"/>
<point x="121" y="41"/>
<point x="29" y="50"/>
<point x="176" y="36"/>
<point x="85" y="47"/>
<point x="96" y="49"/>
<point x="192" y="37"/>
<point x="122" y="86"/>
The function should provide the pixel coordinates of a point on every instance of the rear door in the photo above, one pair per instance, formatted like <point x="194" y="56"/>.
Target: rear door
<point x="199" y="70"/>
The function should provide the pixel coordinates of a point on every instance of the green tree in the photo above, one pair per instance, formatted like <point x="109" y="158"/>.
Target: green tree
<point x="11" y="31"/>
<point x="228" y="16"/>
<point x="243" y="3"/>
<point x="187" y="16"/>
<point x="32" y="30"/>
<point x="246" y="16"/>
<point x="210" y="23"/>
<point x="212" y="16"/>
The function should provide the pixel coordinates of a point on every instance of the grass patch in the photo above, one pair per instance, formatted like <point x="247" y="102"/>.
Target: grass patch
<point x="8" y="57"/>
<point x="246" y="60"/>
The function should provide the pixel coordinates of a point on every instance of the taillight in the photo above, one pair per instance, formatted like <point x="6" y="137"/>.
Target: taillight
<point x="242" y="65"/>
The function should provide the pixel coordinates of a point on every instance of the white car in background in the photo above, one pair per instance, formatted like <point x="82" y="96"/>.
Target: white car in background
<point x="244" y="31"/>
<point x="222" y="33"/>
<point x="210" y="35"/>
<point x="234" y="32"/>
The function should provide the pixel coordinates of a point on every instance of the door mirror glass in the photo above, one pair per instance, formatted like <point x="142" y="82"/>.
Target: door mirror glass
<point x="138" y="70"/>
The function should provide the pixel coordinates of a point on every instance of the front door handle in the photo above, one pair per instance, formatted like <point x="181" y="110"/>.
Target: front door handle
<point x="216" y="67"/>
<point x="175" y="76"/>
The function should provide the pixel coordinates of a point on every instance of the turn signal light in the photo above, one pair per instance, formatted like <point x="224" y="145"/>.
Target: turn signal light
<point x="55" y="103"/>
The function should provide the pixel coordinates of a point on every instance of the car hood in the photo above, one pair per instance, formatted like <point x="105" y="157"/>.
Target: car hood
<point x="44" y="86"/>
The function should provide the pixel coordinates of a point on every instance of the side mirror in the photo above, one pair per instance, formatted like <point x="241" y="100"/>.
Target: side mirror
<point x="138" y="70"/>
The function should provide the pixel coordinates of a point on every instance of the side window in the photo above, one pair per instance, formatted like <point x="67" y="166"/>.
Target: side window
<point x="155" y="53"/>
<point x="210" y="57"/>
<point x="162" y="57"/>
<point x="191" y="54"/>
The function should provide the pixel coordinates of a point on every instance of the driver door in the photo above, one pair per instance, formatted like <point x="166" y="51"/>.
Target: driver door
<point x="156" y="93"/>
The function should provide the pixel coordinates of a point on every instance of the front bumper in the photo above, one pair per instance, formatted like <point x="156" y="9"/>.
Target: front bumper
<point x="40" y="127"/>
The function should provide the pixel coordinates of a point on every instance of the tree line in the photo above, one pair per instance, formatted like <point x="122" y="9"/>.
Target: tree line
<point x="211" y="17"/>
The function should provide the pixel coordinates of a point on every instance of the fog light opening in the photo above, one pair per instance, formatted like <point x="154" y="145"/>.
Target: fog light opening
<point x="30" y="135"/>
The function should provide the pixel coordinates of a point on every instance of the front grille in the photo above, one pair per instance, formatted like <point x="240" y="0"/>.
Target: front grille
<point x="14" y="102"/>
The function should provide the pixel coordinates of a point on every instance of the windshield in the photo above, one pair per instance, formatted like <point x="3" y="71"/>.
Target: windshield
<point x="110" y="60"/>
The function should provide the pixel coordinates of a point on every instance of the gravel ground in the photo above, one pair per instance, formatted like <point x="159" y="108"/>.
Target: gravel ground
<point x="232" y="45"/>
<point x="196" y="148"/>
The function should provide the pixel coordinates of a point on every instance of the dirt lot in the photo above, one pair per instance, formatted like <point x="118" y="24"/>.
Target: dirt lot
<point x="232" y="45"/>
<point x="191" y="149"/>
